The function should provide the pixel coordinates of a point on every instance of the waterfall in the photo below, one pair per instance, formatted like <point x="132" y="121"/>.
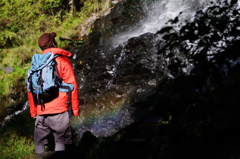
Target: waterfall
<point x="106" y="111"/>
<point x="157" y="14"/>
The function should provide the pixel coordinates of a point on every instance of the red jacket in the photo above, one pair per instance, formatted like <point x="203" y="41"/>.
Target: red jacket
<point x="58" y="105"/>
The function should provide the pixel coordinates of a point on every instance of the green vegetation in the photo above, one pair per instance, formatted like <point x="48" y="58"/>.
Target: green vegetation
<point x="16" y="139"/>
<point x="21" y="23"/>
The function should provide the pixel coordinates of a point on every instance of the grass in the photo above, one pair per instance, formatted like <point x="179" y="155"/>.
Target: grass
<point x="17" y="147"/>
<point x="16" y="139"/>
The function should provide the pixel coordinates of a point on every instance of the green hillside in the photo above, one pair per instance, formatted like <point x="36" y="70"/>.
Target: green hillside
<point x="21" y="24"/>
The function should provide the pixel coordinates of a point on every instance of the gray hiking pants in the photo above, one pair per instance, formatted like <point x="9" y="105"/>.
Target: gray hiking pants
<point x="57" y="124"/>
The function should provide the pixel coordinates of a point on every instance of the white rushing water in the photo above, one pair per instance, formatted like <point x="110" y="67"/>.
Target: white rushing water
<point x="158" y="13"/>
<point x="8" y="117"/>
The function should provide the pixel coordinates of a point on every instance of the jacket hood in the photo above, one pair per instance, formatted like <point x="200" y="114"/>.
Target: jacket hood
<point x="58" y="51"/>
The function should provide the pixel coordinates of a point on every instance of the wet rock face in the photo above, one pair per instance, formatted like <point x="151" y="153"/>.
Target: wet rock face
<point x="196" y="55"/>
<point x="134" y="64"/>
<point x="111" y="79"/>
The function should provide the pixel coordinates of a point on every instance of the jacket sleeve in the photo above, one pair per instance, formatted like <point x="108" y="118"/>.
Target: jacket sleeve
<point x="32" y="106"/>
<point x="67" y="74"/>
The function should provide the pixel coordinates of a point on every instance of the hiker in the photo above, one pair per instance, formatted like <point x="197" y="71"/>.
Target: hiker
<point x="52" y="116"/>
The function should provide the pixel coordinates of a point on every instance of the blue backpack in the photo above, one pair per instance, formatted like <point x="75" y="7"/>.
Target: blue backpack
<point x="43" y="79"/>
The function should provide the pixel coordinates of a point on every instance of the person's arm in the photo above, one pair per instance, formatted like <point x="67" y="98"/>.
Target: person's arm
<point x="33" y="108"/>
<point x="69" y="77"/>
